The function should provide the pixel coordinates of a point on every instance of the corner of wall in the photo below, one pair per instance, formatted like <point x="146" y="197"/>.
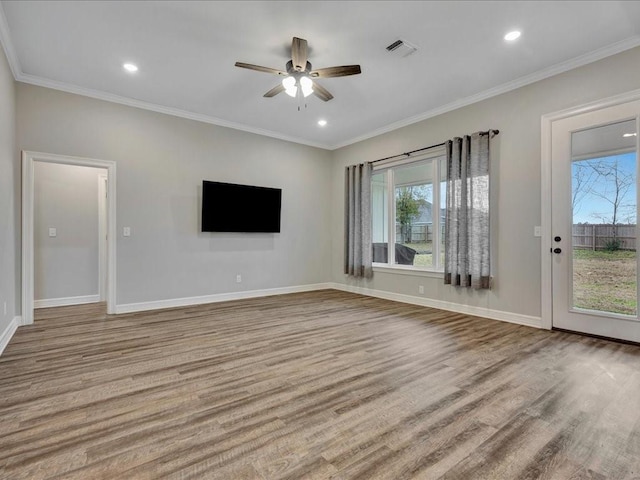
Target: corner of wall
<point x="8" y="333"/>
<point x="9" y="200"/>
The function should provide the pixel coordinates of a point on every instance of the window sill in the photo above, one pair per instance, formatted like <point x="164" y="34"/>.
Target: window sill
<point x="400" y="270"/>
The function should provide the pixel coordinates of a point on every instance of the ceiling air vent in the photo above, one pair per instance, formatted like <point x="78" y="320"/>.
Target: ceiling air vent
<point x="402" y="48"/>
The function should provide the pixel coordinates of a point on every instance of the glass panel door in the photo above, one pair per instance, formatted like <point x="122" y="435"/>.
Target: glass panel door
<point x="604" y="206"/>
<point x="594" y="212"/>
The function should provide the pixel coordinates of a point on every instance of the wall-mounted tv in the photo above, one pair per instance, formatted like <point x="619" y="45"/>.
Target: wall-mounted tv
<point x="228" y="207"/>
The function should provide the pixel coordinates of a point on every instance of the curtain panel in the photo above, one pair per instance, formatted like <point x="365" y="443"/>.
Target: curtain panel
<point x="357" y="228"/>
<point x="467" y="262"/>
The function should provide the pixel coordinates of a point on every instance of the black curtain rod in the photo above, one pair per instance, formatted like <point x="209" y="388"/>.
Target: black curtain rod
<point x="408" y="154"/>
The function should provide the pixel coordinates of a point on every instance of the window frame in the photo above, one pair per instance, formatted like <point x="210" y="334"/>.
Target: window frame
<point x="388" y="167"/>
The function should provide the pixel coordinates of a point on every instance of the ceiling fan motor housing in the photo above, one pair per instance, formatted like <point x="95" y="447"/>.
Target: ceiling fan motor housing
<point x="290" y="68"/>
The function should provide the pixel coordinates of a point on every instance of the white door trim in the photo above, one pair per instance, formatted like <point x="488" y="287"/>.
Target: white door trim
<point x="103" y="238"/>
<point x="545" y="191"/>
<point x="28" y="160"/>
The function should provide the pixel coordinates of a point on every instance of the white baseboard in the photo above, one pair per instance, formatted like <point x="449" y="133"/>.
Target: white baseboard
<point x="61" y="302"/>
<point x="527" y="320"/>
<point x="220" y="297"/>
<point x="8" y="332"/>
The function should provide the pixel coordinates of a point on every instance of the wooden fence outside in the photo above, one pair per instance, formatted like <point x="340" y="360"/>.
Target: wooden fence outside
<point x="587" y="236"/>
<point x="596" y="237"/>
<point x="419" y="233"/>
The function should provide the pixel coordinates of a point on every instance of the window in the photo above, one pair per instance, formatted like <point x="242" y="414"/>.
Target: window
<point x="414" y="221"/>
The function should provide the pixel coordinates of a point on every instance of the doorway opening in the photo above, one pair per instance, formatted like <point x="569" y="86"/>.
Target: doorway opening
<point x="105" y="282"/>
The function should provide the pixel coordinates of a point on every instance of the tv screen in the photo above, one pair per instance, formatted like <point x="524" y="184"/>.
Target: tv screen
<point x="228" y="207"/>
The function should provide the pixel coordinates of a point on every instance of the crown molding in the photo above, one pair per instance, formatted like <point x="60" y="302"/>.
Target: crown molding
<point x="551" y="71"/>
<point x="20" y="76"/>
<point x="176" y="112"/>
<point x="7" y="45"/>
<point x="14" y="64"/>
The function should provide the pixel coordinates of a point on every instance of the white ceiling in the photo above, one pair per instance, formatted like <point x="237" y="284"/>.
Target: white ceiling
<point x="186" y="53"/>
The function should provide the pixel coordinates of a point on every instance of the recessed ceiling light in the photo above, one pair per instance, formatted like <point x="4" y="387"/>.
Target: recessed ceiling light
<point x="130" y="67"/>
<point x="322" y="123"/>
<point x="511" y="36"/>
<point x="630" y="135"/>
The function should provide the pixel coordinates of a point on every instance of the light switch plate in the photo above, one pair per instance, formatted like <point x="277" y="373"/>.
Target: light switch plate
<point x="537" y="231"/>
<point x="53" y="232"/>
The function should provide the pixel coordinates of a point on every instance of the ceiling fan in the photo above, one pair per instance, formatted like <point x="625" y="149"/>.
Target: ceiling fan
<point x="298" y="74"/>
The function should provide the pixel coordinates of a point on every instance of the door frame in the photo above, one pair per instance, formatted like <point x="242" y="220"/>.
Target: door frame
<point x="546" y="206"/>
<point x="103" y="183"/>
<point x="28" y="160"/>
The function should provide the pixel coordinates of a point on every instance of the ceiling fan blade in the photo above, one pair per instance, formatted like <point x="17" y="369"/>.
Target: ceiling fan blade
<point x="299" y="54"/>
<point x="321" y="92"/>
<point x="342" y="71"/>
<point x="258" y="68"/>
<point x="274" y="91"/>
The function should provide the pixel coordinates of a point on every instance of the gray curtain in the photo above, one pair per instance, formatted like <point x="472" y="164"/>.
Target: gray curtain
<point x="357" y="226"/>
<point x="467" y="218"/>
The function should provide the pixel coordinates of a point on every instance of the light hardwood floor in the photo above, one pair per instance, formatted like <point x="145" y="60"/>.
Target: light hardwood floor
<point x="313" y="385"/>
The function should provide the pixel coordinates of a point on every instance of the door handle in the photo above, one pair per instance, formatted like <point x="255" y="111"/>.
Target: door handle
<point x="557" y="250"/>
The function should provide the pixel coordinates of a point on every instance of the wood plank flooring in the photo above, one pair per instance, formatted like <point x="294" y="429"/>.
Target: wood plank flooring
<point x="319" y="385"/>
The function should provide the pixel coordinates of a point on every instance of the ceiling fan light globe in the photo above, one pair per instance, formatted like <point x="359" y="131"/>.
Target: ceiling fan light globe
<point x="306" y="84"/>
<point x="289" y="82"/>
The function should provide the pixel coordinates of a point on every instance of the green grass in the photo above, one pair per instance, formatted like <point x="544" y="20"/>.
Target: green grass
<point x="423" y="260"/>
<point x="605" y="281"/>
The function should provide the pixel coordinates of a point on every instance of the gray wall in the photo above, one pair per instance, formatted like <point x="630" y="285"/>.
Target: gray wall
<point x="161" y="162"/>
<point x="9" y="208"/>
<point x="516" y="182"/>
<point x="66" y="198"/>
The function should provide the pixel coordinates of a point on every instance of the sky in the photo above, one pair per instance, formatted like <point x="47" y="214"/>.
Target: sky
<point x="594" y="189"/>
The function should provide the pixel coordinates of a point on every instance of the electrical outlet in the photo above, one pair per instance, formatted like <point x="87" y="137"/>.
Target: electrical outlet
<point x="126" y="232"/>
<point x="53" y="232"/>
<point x="238" y="278"/>
<point x="537" y="231"/>
<point x="421" y="289"/>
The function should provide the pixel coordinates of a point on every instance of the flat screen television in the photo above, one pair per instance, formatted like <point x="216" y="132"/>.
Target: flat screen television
<point x="228" y="207"/>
